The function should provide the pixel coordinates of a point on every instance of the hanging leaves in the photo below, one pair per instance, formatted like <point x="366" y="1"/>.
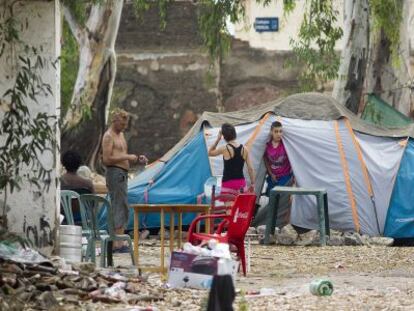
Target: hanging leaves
<point x="25" y="134"/>
<point x="315" y="46"/>
<point x="387" y="16"/>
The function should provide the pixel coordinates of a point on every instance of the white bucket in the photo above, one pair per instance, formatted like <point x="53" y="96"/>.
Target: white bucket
<point x="70" y="243"/>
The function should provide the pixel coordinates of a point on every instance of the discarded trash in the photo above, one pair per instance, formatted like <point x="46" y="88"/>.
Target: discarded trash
<point x="197" y="271"/>
<point x="214" y="249"/>
<point x="144" y="234"/>
<point x="52" y="282"/>
<point x="259" y="293"/>
<point x="14" y="252"/>
<point x="116" y="291"/>
<point x="321" y="287"/>
<point x="267" y="291"/>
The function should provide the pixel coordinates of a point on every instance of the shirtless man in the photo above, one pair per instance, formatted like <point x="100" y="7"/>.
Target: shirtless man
<point x="116" y="159"/>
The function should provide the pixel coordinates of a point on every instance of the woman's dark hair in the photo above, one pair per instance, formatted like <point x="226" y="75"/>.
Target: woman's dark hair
<point x="228" y="131"/>
<point x="71" y="160"/>
<point x="276" y="124"/>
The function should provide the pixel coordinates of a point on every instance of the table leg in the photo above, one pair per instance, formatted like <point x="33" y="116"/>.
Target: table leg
<point x="162" y="241"/>
<point x="180" y="229"/>
<point x="207" y="222"/>
<point x="198" y="224"/>
<point x="321" y="214"/>
<point x="171" y="232"/>
<point x="136" y="237"/>
<point x="326" y="210"/>
<point x="271" y="216"/>
<point x="249" y="253"/>
<point x="109" y="254"/>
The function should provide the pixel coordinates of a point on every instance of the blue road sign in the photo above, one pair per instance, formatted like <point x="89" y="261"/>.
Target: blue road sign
<point x="266" y="24"/>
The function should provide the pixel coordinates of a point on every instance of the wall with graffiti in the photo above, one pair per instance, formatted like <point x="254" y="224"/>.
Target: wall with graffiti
<point x="32" y="212"/>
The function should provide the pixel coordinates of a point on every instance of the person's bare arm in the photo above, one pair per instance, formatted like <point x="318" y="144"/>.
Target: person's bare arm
<point x="91" y="186"/>
<point x="268" y="168"/>
<point x="108" y="157"/>
<point x="250" y="169"/>
<point x="213" y="150"/>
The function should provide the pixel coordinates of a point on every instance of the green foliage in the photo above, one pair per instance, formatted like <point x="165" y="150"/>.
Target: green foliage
<point x="25" y="135"/>
<point x="141" y="6"/>
<point x="79" y="8"/>
<point x="387" y="16"/>
<point x="288" y="6"/>
<point x="212" y="24"/>
<point x="8" y="29"/>
<point x="69" y="63"/>
<point x="315" y="46"/>
<point x="243" y="304"/>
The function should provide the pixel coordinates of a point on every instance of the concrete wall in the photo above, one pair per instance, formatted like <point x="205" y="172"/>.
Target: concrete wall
<point x="32" y="212"/>
<point x="288" y="25"/>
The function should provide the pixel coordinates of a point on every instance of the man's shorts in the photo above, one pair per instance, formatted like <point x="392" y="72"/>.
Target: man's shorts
<point x="117" y="183"/>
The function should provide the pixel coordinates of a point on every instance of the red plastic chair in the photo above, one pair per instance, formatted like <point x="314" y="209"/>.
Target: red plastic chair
<point x="225" y="196"/>
<point x="221" y="203"/>
<point x="236" y="225"/>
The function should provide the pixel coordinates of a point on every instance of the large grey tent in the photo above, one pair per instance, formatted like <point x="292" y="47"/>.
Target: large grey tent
<point x="328" y="146"/>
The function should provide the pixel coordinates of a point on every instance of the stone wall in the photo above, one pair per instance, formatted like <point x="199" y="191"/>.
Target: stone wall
<point x="165" y="79"/>
<point x="253" y="76"/>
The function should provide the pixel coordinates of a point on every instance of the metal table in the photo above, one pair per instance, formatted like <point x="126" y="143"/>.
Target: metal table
<point x="322" y="206"/>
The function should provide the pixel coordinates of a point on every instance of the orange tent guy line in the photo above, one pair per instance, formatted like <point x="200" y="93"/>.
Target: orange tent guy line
<point x="256" y="131"/>
<point x="347" y="178"/>
<point x="361" y="159"/>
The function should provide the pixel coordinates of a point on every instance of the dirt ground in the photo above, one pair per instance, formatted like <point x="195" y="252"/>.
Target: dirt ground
<point x="364" y="278"/>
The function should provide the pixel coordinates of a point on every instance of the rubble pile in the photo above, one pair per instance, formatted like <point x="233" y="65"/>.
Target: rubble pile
<point x="289" y="236"/>
<point x="53" y="283"/>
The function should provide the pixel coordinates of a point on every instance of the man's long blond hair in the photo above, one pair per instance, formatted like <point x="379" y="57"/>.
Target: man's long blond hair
<point x="119" y="113"/>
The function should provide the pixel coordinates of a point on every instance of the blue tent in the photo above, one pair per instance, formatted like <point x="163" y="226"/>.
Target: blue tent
<point x="400" y="218"/>
<point x="180" y="180"/>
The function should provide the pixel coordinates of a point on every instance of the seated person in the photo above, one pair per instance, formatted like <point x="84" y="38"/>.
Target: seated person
<point x="71" y="161"/>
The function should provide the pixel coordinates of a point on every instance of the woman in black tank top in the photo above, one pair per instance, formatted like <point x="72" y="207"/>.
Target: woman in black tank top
<point x="234" y="157"/>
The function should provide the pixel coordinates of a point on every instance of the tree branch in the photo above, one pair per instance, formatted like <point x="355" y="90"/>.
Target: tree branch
<point x="76" y="29"/>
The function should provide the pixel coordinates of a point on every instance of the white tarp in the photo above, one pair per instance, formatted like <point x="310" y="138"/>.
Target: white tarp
<point x="315" y="158"/>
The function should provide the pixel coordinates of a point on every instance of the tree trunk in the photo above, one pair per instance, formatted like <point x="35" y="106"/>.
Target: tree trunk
<point x="85" y="121"/>
<point x="349" y="84"/>
<point x="219" y="94"/>
<point x="388" y="78"/>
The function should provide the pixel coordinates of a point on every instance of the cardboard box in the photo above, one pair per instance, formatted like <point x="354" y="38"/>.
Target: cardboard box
<point x="196" y="271"/>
